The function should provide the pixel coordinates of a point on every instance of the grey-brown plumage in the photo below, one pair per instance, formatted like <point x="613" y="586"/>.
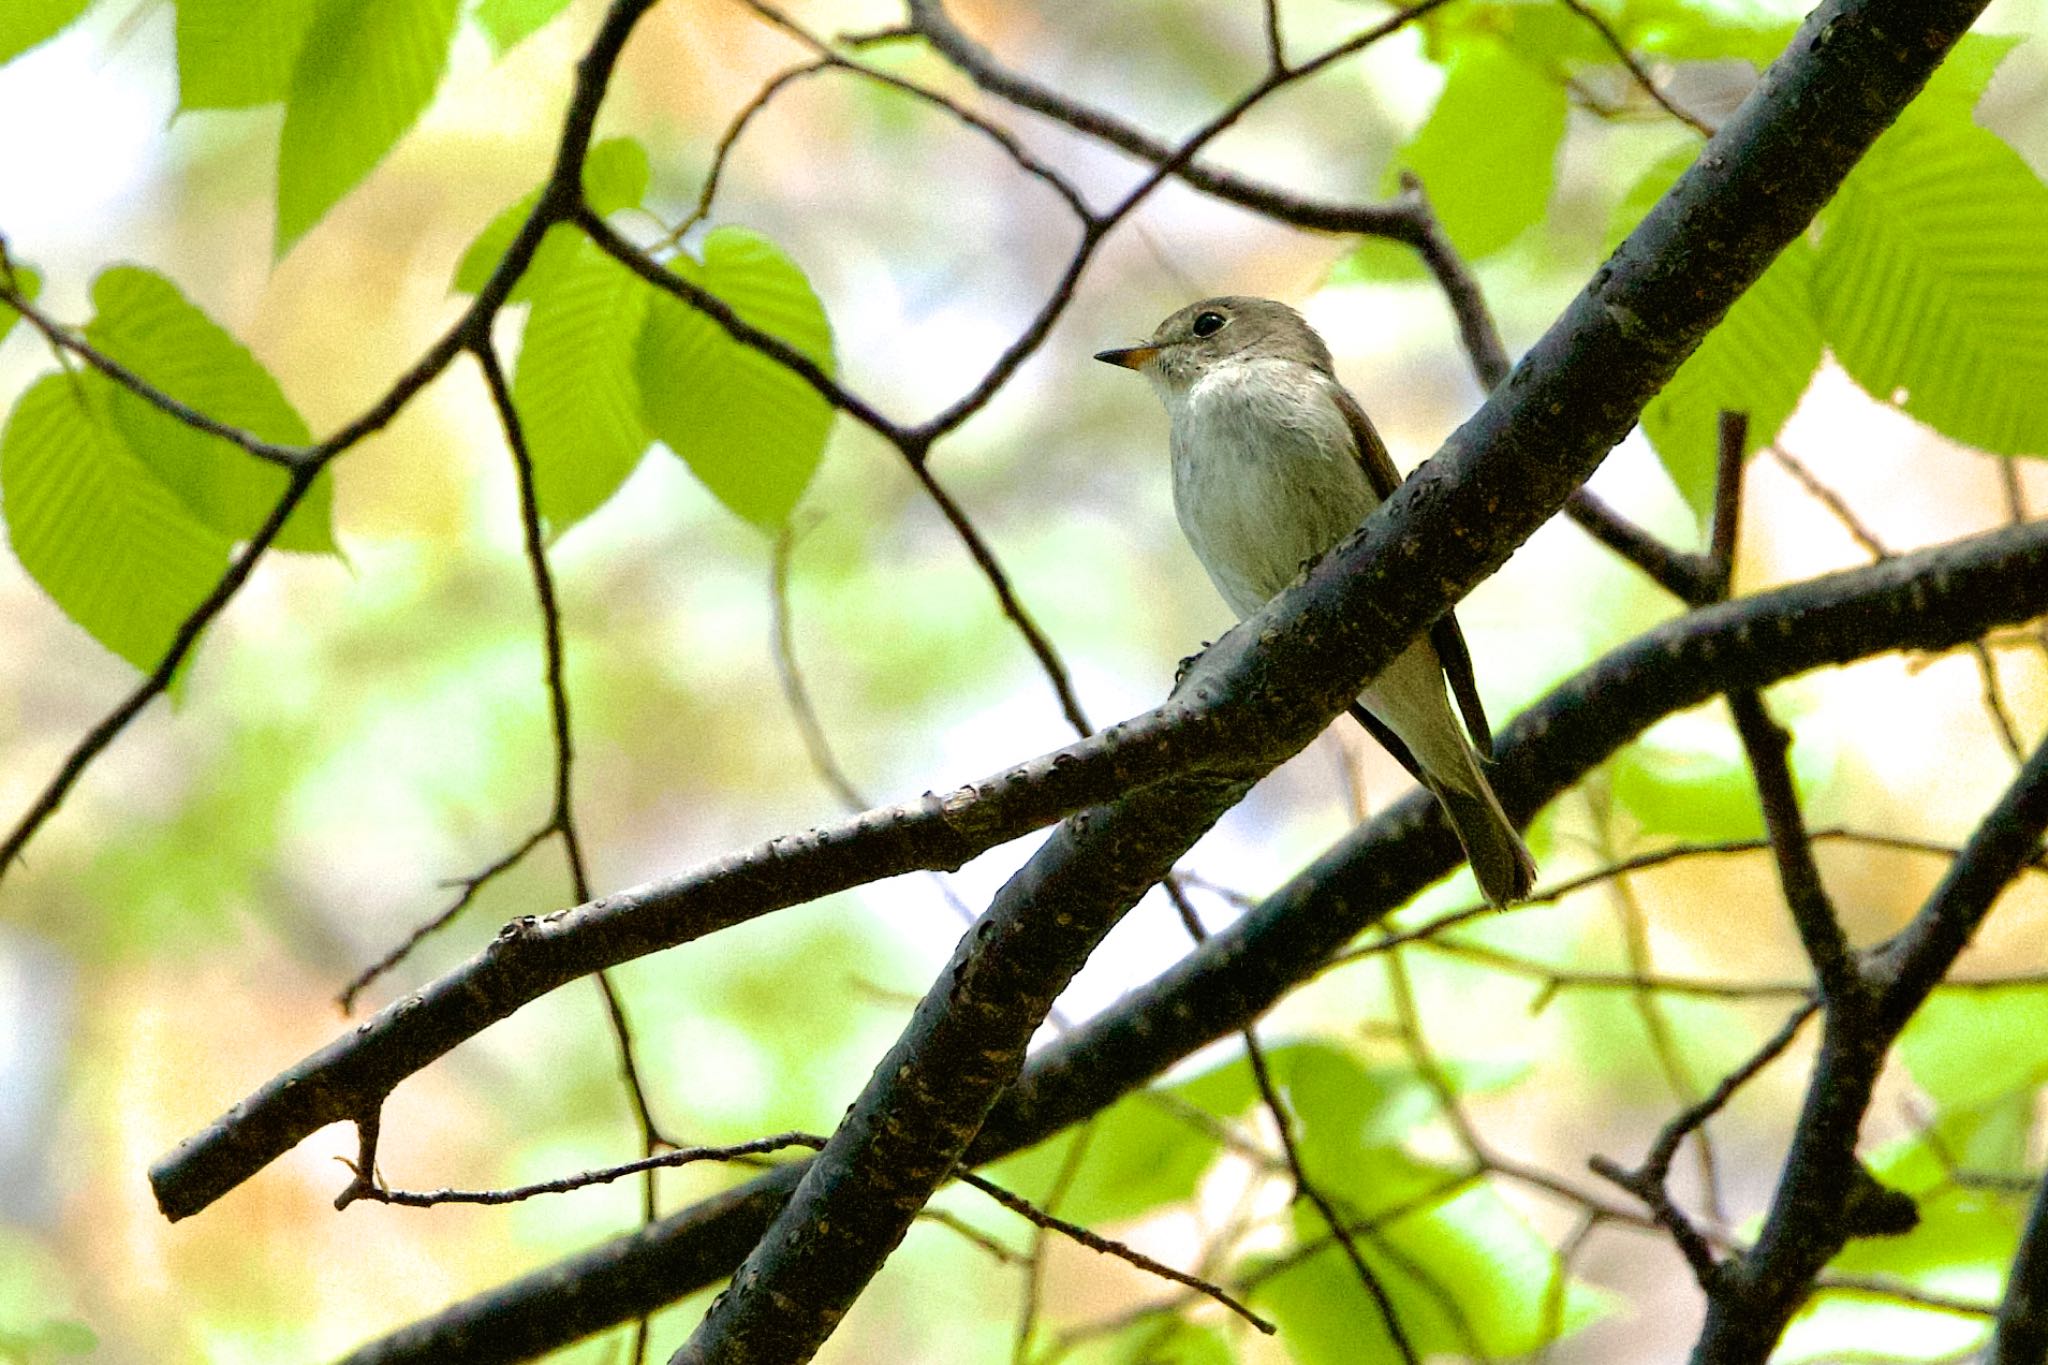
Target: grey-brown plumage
<point x="1273" y="463"/>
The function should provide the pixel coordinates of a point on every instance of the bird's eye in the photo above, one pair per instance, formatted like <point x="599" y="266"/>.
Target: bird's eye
<point x="1207" y="324"/>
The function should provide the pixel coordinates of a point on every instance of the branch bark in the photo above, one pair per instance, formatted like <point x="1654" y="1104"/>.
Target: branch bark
<point x="1935" y="599"/>
<point x="1850" y="69"/>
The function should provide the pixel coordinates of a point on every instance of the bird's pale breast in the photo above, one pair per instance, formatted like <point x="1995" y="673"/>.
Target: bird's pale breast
<point x="1264" y="474"/>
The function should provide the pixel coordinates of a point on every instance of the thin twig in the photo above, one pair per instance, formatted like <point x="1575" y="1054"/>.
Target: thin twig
<point x="1276" y="41"/>
<point x="1023" y="1208"/>
<point x="1813" y="912"/>
<point x="1383" y="1303"/>
<point x="1649" y="1007"/>
<point x="562" y="817"/>
<point x="1647" y="1181"/>
<point x="1637" y="71"/>
<point x="288" y="457"/>
<point x="681" y="1156"/>
<point x="1024" y="159"/>
<point x="472" y="886"/>
<point x="1859" y="531"/>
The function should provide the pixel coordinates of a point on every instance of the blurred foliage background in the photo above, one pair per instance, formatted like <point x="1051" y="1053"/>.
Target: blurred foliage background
<point x="361" y="728"/>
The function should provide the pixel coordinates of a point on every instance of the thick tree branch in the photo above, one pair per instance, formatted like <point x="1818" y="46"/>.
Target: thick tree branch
<point x="1825" y="1196"/>
<point x="1931" y="600"/>
<point x="2022" y="1334"/>
<point x="1300" y="661"/>
<point x="1511" y="466"/>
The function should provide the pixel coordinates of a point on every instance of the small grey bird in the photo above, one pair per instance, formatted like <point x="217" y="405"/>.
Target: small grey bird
<point x="1274" y="462"/>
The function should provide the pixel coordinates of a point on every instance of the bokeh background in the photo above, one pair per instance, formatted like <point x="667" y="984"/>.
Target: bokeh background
<point x="355" y="733"/>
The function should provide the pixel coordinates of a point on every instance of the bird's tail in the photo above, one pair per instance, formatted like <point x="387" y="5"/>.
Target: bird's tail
<point x="1500" y="860"/>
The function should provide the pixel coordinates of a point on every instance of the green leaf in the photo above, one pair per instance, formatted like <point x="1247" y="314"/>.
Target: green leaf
<point x="29" y="23"/>
<point x="614" y="177"/>
<point x="1960" y="81"/>
<point x="30" y="284"/>
<point x="1932" y="284"/>
<point x="233" y="54"/>
<point x="1140" y="1156"/>
<point x="367" y="70"/>
<point x="1758" y="359"/>
<point x="146" y="324"/>
<point x="1686" y="778"/>
<point x="1487" y="155"/>
<point x="750" y="429"/>
<point x="508" y="23"/>
<point x="1968" y="1048"/>
<point x="1167" y="1341"/>
<point x="91" y="524"/>
<point x="574" y="386"/>
<point x="1473" y="1250"/>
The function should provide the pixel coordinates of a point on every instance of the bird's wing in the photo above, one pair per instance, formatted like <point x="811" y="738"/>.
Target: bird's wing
<point x="1449" y="640"/>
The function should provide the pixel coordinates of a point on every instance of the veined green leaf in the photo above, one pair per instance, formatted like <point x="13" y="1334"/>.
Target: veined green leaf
<point x="750" y="428"/>
<point x="1487" y="155"/>
<point x="367" y="70"/>
<point x="1758" y="360"/>
<point x="508" y="23"/>
<point x="30" y="284"/>
<point x="614" y="177"/>
<point x="574" y="386"/>
<point x="29" y="23"/>
<point x="143" y="321"/>
<point x="92" y="525"/>
<point x="1932" y="284"/>
<point x="233" y="54"/>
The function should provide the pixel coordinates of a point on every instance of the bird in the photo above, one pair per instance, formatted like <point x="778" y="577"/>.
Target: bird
<point x="1274" y="462"/>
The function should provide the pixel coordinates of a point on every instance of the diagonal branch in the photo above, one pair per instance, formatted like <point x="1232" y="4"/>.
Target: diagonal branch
<point x="1926" y="600"/>
<point x="1496" y="481"/>
<point x="1825" y="1196"/>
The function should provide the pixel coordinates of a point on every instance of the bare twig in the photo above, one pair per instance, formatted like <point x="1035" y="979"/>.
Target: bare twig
<point x="1647" y="1181"/>
<point x="1636" y="70"/>
<point x="1838" y="507"/>
<point x="1813" y="913"/>
<point x="471" y="886"/>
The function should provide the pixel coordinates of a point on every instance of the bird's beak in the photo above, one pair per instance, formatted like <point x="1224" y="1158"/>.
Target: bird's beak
<point x="1130" y="357"/>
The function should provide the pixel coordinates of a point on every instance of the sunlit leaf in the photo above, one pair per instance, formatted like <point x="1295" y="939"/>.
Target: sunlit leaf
<point x="1758" y="360"/>
<point x="91" y="524"/>
<point x="1467" y="1276"/>
<point x="28" y="23"/>
<point x="614" y="178"/>
<point x="30" y="284"/>
<point x="236" y="53"/>
<point x="146" y="324"/>
<point x="1686" y="778"/>
<point x="752" y="430"/>
<point x="1967" y="1048"/>
<point x="1836" y="1326"/>
<point x="509" y="23"/>
<point x="1487" y="156"/>
<point x="367" y="70"/>
<point x="1137" y="1156"/>
<point x="574" y="386"/>
<point x="1158" y="1341"/>
<point x="1932" y="284"/>
<point x="1960" y="81"/>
